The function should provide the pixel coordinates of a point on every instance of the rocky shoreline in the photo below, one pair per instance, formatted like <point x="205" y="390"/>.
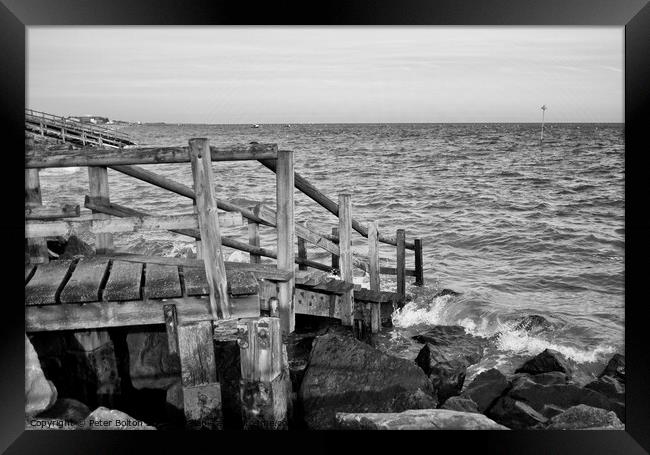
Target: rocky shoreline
<point x="338" y="381"/>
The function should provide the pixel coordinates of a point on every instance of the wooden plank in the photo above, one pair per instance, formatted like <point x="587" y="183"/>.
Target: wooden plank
<point x="36" y="247"/>
<point x="310" y="190"/>
<point x="286" y="236"/>
<point x="124" y="282"/>
<point x="419" y="267"/>
<point x="302" y="253"/>
<point x="86" y="281"/>
<point x="97" y="315"/>
<point x="201" y="389"/>
<point x="161" y="282"/>
<point x="318" y="304"/>
<point x="171" y="327"/>
<point x="195" y="281"/>
<point x="345" y="259"/>
<point x="373" y="255"/>
<point x="254" y="240"/>
<point x="51" y="212"/>
<point x="401" y="262"/>
<point x="240" y="282"/>
<point x="206" y="205"/>
<point x="367" y="295"/>
<point x="335" y="257"/>
<point x="39" y="157"/>
<point x="43" y="287"/>
<point x="98" y="182"/>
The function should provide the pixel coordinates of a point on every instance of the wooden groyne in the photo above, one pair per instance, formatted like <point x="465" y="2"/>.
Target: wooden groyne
<point x="66" y="130"/>
<point x="206" y="299"/>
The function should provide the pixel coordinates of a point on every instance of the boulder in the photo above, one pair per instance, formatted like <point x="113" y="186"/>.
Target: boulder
<point x="582" y="417"/>
<point x="486" y="388"/>
<point x="75" y="247"/>
<point x="66" y="409"/>
<point x="418" y="419"/>
<point x="533" y="324"/>
<point x="615" y="368"/>
<point x="552" y="377"/>
<point x="40" y="394"/>
<point x="561" y="395"/>
<point x="460" y="404"/>
<point x="608" y="386"/>
<point x="346" y="375"/>
<point x="515" y="414"/>
<point x="448" y="351"/>
<point x="150" y="364"/>
<point x="111" y="419"/>
<point x="546" y="361"/>
<point x="445" y="292"/>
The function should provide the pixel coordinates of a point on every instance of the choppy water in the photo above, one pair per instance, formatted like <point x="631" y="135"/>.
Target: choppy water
<point x="518" y="228"/>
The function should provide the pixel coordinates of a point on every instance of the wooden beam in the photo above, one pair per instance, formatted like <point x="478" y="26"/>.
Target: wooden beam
<point x="98" y="181"/>
<point x="335" y="257"/>
<point x="419" y="266"/>
<point x="302" y="253"/>
<point x="201" y="388"/>
<point x="96" y="315"/>
<point x="37" y="247"/>
<point x="401" y="262"/>
<point x="310" y="190"/>
<point x="373" y="256"/>
<point x="39" y="157"/>
<point x="345" y="244"/>
<point x="254" y="240"/>
<point x="285" y="226"/>
<point x="206" y="205"/>
<point x="52" y="212"/>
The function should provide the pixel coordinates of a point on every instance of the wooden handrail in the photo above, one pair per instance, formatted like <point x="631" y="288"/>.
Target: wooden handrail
<point x="68" y="122"/>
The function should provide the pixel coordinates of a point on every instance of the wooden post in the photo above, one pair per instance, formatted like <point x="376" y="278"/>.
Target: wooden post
<point x="265" y="386"/>
<point x="401" y="262"/>
<point x="345" y="247"/>
<point x="373" y="259"/>
<point x="302" y="252"/>
<point x="206" y="204"/>
<point x="201" y="388"/>
<point x="37" y="247"/>
<point x="335" y="258"/>
<point x="197" y="242"/>
<point x="419" y="268"/>
<point x="285" y="227"/>
<point x="254" y="240"/>
<point x="98" y="181"/>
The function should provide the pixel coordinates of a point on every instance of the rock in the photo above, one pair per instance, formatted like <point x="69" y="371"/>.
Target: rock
<point x="346" y="375"/>
<point x="553" y="377"/>
<point x="615" y="368"/>
<point x="66" y="409"/>
<point x="419" y="419"/>
<point x="150" y="364"/>
<point x="174" y="397"/>
<point x="585" y="417"/>
<point x="608" y="386"/>
<point x="460" y="404"/>
<point x="76" y="247"/>
<point x="561" y="395"/>
<point x="515" y="414"/>
<point x="545" y="362"/>
<point x="533" y="323"/>
<point x="298" y="349"/>
<point x="40" y="394"/>
<point x="445" y="292"/>
<point x="448" y="351"/>
<point x="111" y="419"/>
<point x="486" y="388"/>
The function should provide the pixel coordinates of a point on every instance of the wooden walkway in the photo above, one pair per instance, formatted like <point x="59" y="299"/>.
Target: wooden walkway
<point x="87" y="134"/>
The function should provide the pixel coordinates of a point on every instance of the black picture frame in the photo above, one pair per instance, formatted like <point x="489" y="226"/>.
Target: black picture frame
<point x="634" y="15"/>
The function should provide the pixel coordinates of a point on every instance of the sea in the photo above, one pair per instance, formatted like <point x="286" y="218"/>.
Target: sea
<point x="515" y="226"/>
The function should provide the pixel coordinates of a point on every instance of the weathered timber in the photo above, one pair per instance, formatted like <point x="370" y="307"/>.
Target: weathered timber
<point x="206" y="204"/>
<point x="37" y="247"/>
<point x="264" y="390"/>
<point x="345" y="245"/>
<point x="268" y="294"/>
<point x="401" y="262"/>
<point x="373" y="256"/>
<point x="254" y="240"/>
<point x="98" y="182"/>
<point x="40" y="157"/>
<point x="51" y="212"/>
<point x="183" y="190"/>
<point x="124" y="282"/>
<point x="161" y="282"/>
<point x="201" y="388"/>
<point x="335" y="257"/>
<point x="313" y="264"/>
<point x="419" y="267"/>
<point x="318" y="304"/>
<point x="302" y="253"/>
<point x="285" y="226"/>
<point x="48" y="278"/>
<point x="171" y="327"/>
<point x="85" y="283"/>
<point x="367" y="295"/>
<point x="97" y="315"/>
<point x="310" y="190"/>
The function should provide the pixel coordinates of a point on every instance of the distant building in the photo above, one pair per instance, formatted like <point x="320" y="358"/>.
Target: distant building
<point x="96" y="119"/>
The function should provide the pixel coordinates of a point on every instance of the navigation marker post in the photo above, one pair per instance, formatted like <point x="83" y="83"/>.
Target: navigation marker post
<point x="541" y="137"/>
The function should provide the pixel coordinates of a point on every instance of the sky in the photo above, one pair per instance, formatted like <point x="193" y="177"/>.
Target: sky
<point x="328" y="74"/>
